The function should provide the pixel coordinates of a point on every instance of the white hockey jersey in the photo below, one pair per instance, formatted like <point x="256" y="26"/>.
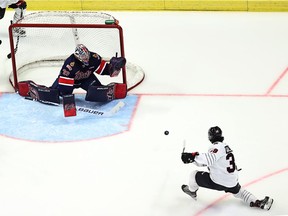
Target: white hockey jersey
<point x="221" y="164"/>
<point x="6" y="3"/>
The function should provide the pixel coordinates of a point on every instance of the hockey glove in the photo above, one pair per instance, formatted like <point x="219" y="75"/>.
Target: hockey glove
<point x="20" y="4"/>
<point x="188" y="157"/>
<point x="116" y="63"/>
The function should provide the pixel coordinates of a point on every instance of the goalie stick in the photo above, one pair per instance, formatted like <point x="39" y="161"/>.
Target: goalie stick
<point x="96" y="112"/>
<point x="41" y="101"/>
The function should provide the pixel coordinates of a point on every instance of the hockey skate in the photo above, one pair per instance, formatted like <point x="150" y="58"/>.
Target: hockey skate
<point x="186" y="190"/>
<point x="265" y="204"/>
<point x="19" y="32"/>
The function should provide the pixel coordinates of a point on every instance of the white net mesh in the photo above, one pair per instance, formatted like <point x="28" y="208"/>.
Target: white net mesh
<point x="52" y="36"/>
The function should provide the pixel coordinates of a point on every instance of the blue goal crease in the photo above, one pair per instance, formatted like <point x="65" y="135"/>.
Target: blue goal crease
<point x="33" y="121"/>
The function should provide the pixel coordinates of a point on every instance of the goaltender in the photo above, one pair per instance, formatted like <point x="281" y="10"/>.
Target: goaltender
<point x="78" y="71"/>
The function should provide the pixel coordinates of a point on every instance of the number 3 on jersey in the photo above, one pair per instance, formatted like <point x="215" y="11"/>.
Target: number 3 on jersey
<point x="231" y="159"/>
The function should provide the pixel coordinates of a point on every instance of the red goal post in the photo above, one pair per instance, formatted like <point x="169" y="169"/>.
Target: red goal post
<point x="52" y="36"/>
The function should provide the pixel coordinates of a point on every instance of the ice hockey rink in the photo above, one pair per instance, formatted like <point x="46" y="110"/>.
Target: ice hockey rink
<point x="202" y="69"/>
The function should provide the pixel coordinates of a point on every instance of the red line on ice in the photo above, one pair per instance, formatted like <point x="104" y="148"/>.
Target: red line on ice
<point x="277" y="81"/>
<point x="246" y="185"/>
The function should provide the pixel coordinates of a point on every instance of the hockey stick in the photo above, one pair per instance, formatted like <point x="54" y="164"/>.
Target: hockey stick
<point x="75" y="31"/>
<point x="18" y="38"/>
<point x="111" y="112"/>
<point x="184" y="145"/>
<point x="41" y="101"/>
<point x="15" y="49"/>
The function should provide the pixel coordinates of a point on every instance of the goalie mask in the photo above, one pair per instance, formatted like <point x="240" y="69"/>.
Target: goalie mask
<point x="215" y="134"/>
<point x="82" y="54"/>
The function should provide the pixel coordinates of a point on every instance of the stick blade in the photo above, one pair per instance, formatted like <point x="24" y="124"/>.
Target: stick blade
<point x="115" y="109"/>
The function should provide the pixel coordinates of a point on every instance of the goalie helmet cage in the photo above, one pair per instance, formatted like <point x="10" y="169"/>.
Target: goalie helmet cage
<point x="53" y="35"/>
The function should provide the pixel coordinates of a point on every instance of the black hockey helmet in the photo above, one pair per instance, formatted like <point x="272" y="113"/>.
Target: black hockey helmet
<point x="215" y="134"/>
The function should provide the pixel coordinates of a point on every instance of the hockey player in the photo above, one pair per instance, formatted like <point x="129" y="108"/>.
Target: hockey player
<point x="78" y="72"/>
<point x="20" y="10"/>
<point x="223" y="172"/>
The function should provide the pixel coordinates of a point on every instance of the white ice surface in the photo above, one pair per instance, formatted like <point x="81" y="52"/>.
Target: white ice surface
<point x="202" y="69"/>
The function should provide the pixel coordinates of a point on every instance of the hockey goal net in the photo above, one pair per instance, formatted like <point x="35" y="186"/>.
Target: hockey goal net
<point x="52" y="36"/>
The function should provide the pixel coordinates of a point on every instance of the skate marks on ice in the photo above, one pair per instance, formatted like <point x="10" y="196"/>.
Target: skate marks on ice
<point x="29" y="120"/>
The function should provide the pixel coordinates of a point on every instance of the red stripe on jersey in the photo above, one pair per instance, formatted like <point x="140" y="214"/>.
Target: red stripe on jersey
<point x="66" y="81"/>
<point x="101" y="67"/>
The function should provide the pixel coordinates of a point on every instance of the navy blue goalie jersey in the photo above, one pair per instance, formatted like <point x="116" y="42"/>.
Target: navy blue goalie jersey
<point x="74" y="72"/>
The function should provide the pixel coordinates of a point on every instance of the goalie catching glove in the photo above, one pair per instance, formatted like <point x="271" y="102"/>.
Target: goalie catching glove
<point x="188" y="157"/>
<point x="20" y="4"/>
<point x="116" y="63"/>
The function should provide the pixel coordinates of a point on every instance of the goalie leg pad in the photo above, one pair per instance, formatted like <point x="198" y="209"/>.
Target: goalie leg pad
<point x="120" y="90"/>
<point x="106" y="93"/>
<point x="69" y="105"/>
<point x="43" y="94"/>
<point x="100" y="93"/>
<point x="23" y="88"/>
